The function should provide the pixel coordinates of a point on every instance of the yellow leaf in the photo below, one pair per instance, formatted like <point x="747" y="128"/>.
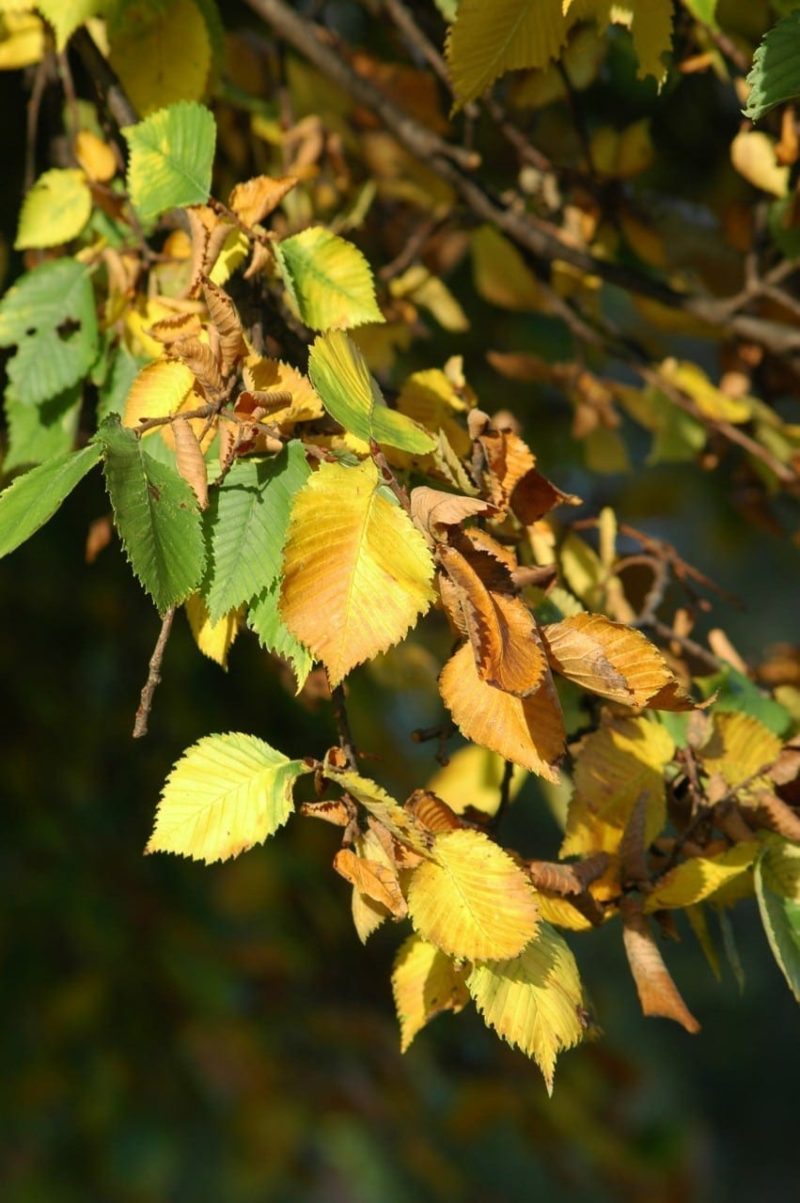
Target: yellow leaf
<point x="431" y="400"/>
<point x="357" y="573"/>
<point x="753" y="156"/>
<point x="162" y="54"/>
<point x="402" y="825"/>
<point x="701" y="877"/>
<point x="614" y="767"/>
<point x="214" y="639"/>
<point x="95" y="156"/>
<point x="425" y="982"/>
<point x="21" y="40"/>
<point x="529" y="731"/>
<point x="471" y="900"/>
<point x="501" y="275"/>
<point x="378" y="881"/>
<point x="533" y="1001"/>
<point x="740" y="748"/>
<point x="561" y="913"/>
<point x="472" y="778"/>
<point x="160" y="389"/>
<point x="255" y="199"/>
<point x="367" y="915"/>
<point x="607" y="658"/>
<point x="649" y="21"/>
<point x="328" y="280"/>
<point x="487" y="40"/>
<point x="418" y="285"/>
<point x="225" y="794"/>
<point x="710" y="400"/>
<point x="55" y="210"/>
<point x="275" y="376"/>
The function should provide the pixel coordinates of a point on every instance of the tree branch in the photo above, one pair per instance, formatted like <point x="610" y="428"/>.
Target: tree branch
<point x="153" y="676"/>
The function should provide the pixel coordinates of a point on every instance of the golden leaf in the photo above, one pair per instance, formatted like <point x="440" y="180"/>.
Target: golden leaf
<point x="357" y="573"/>
<point x="433" y="508"/>
<point x="740" y="749"/>
<point x="471" y="900"/>
<point x="255" y="199"/>
<point x="701" y="877"/>
<point x="472" y="778"/>
<point x="529" y="731"/>
<point x="214" y="639"/>
<point x="370" y="877"/>
<point x="162" y="54"/>
<point x="159" y="390"/>
<point x="425" y="982"/>
<point x="400" y="822"/>
<point x="95" y="156"/>
<point x="486" y="40"/>
<point x="534" y="1001"/>
<point x="607" y="658"/>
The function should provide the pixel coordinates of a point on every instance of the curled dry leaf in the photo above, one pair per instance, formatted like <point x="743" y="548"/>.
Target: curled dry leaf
<point x="529" y="731"/>
<point x="776" y="815"/>
<point x="255" y="199"/>
<point x="432" y="509"/>
<point x="432" y="812"/>
<point x="501" y="628"/>
<point x="222" y="312"/>
<point x="335" y="811"/>
<point x="171" y="329"/>
<point x="267" y="377"/>
<point x="657" y="992"/>
<point x="370" y="877"/>
<point x="608" y="658"/>
<point x="190" y="461"/>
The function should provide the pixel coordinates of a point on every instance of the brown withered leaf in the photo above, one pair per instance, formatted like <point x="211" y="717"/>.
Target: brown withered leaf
<point x="208" y="232"/>
<point x="534" y="496"/>
<point x="200" y="359"/>
<point x="334" y="810"/>
<point x="432" y="812"/>
<point x="375" y="880"/>
<point x="776" y="815"/>
<point x="508" y="460"/>
<point x="657" y="992"/>
<point x="432" y="509"/>
<point x="189" y="460"/>
<point x="481" y="541"/>
<point x="222" y="312"/>
<point x="255" y="199"/>
<point x="529" y="731"/>
<point x="171" y="329"/>
<point x="786" y="768"/>
<point x="98" y="537"/>
<point x="610" y="659"/>
<point x="501" y="628"/>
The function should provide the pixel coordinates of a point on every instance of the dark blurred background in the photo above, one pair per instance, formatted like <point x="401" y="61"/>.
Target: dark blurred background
<point x="218" y="1035"/>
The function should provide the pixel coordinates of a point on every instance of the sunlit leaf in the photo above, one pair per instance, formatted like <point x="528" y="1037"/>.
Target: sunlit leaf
<point x="328" y="279"/>
<point x="214" y="639"/>
<point x="55" y="210"/>
<point x="171" y="153"/>
<point x="225" y="794"/>
<point x="701" y="877"/>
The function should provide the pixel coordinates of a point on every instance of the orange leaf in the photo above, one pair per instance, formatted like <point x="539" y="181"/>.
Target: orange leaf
<point x="529" y="731"/>
<point x="369" y="877"/>
<point x="255" y="199"/>
<point x="432" y="508"/>
<point x="657" y="992"/>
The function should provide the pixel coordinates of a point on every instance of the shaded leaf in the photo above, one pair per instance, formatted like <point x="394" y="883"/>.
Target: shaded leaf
<point x="214" y="639"/>
<point x="425" y="983"/>
<point x="701" y="877"/>
<point x="55" y="210"/>
<point x="34" y="497"/>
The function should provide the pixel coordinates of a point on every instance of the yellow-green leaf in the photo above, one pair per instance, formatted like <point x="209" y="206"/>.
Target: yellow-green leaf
<point x="328" y="279"/>
<point x="471" y="900"/>
<point x="357" y="573"/>
<point x="340" y="375"/>
<point x="225" y="794"/>
<point x="161" y="53"/>
<point x="55" y="210"/>
<point x="740" y="748"/>
<point x="425" y="982"/>
<point x="66" y="15"/>
<point x="701" y="877"/>
<point x="533" y="1001"/>
<point x="486" y="40"/>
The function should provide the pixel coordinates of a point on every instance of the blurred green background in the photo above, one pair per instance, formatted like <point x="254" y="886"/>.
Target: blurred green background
<point x="218" y="1035"/>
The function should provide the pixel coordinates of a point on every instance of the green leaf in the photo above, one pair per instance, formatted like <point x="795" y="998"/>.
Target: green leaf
<point x="49" y="314"/>
<point x="736" y="692"/>
<point x="33" y="498"/>
<point x="225" y="794"/>
<point x="264" y="618"/>
<point x="55" y="210"/>
<point x="171" y="155"/>
<point x="37" y="433"/>
<point x="704" y="10"/>
<point x="340" y="375"/>
<point x="775" y="74"/>
<point x="328" y="279"/>
<point x="247" y="521"/>
<point x="66" y="16"/>
<point x="156" y="514"/>
<point x="780" y="915"/>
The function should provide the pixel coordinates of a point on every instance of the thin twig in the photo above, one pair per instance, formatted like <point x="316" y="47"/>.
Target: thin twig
<point x="346" y="743"/>
<point x="505" y="793"/>
<point x="32" y="121"/>
<point x="153" y="676"/>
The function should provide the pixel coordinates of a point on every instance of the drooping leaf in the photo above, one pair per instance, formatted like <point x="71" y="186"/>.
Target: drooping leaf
<point x="214" y="639"/>
<point x="701" y="877"/>
<point x="264" y="617"/>
<point x="657" y="991"/>
<point x="373" y="878"/>
<point x="247" y="523"/>
<point x="55" y="210"/>
<point x="49" y="314"/>
<point x="157" y="517"/>
<point x="34" y="497"/>
<point x="607" y="658"/>
<point x="161" y="52"/>
<point x="189" y="460"/>
<point x="226" y="794"/>
<point x="171" y="153"/>
<point x="501" y="275"/>
<point x="357" y="573"/>
<point x="471" y="900"/>
<point x="529" y="731"/>
<point x="340" y="375"/>
<point x="775" y="74"/>
<point x="328" y="279"/>
<point x="425" y="982"/>
<point x="534" y="1001"/>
